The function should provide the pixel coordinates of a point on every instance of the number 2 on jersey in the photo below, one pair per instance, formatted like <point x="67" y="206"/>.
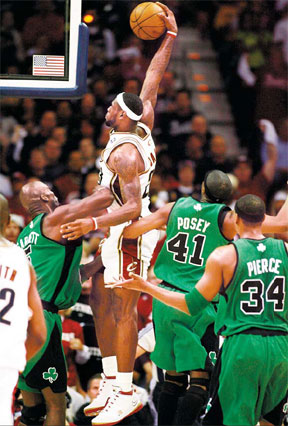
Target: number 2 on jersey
<point x="3" y="293"/>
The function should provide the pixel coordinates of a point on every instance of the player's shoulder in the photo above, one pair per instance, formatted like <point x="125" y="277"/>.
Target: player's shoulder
<point x="223" y="254"/>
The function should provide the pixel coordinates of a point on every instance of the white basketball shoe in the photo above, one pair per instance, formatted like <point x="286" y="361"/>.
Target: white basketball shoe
<point x="120" y="405"/>
<point x="106" y="391"/>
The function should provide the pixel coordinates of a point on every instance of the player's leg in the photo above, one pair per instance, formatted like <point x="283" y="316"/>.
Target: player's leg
<point x="238" y="371"/>
<point x="34" y="409"/>
<point x="124" y="402"/>
<point x="175" y="385"/>
<point x="55" y="406"/>
<point x="101" y="304"/>
<point x="275" y="403"/>
<point x="193" y="342"/>
<point x="195" y="398"/>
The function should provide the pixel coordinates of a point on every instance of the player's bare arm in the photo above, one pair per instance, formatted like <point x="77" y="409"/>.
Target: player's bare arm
<point x="278" y="223"/>
<point x="229" y="226"/>
<point x="153" y="221"/>
<point x="157" y="68"/>
<point x="125" y="161"/>
<point x="36" y="331"/>
<point x="219" y="270"/>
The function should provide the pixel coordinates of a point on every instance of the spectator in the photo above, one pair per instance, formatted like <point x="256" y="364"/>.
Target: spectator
<point x="45" y="17"/>
<point x="132" y="85"/>
<point x="37" y="137"/>
<point x="260" y="183"/>
<point x="87" y="150"/>
<point x="177" y="124"/>
<point x="54" y="168"/>
<point x="194" y="148"/>
<point x="281" y="32"/>
<point x="14" y="227"/>
<point x="65" y="114"/>
<point x="199" y="125"/>
<point x="12" y="51"/>
<point x="74" y="349"/>
<point x="186" y="187"/>
<point x="215" y="159"/>
<point x="92" y="391"/>
<point x="37" y="164"/>
<point x="82" y="313"/>
<point x="68" y="185"/>
<point x="15" y="206"/>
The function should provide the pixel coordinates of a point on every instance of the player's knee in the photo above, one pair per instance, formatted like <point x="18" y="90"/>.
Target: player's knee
<point x="175" y="385"/>
<point x="198" y="395"/>
<point x="33" y="415"/>
<point x="200" y="382"/>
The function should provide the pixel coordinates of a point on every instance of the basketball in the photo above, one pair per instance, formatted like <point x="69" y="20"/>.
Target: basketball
<point x="145" y="21"/>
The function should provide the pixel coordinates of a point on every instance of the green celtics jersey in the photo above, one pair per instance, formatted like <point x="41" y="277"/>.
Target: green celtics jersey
<point x="56" y="265"/>
<point x="256" y="295"/>
<point x="193" y="232"/>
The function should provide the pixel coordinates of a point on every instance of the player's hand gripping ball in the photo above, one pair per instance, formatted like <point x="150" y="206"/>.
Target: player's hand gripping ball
<point x="146" y="21"/>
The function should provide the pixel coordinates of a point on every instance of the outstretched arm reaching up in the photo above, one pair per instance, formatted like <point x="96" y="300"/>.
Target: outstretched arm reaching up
<point x="157" y="67"/>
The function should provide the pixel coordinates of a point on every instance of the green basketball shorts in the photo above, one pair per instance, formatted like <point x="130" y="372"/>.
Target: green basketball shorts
<point x="249" y="381"/>
<point x="178" y="337"/>
<point x="48" y="367"/>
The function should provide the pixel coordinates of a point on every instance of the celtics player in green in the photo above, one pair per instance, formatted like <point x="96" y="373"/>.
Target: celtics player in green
<point x="250" y="378"/>
<point x="183" y="344"/>
<point x="194" y="230"/>
<point x="56" y="262"/>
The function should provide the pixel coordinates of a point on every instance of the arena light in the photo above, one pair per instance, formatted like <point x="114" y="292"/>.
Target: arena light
<point x="88" y="18"/>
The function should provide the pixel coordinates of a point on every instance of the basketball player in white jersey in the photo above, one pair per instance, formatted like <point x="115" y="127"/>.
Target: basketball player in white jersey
<point x="21" y="316"/>
<point x="128" y="163"/>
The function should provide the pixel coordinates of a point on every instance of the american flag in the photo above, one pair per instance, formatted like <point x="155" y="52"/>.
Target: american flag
<point x="48" y="65"/>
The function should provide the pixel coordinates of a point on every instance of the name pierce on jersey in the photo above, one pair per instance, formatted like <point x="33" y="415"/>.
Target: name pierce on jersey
<point x="260" y="266"/>
<point x="200" y="225"/>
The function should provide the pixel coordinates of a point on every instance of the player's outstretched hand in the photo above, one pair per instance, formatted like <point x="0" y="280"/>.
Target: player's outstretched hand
<point x="134" y="283"/>
<point x="168" y="18"/>
<point x="74" y="230"/>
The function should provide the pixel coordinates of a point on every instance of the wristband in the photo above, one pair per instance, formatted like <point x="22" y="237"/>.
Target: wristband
<point x="172" y="34"/>
<point x="94" y="221"/>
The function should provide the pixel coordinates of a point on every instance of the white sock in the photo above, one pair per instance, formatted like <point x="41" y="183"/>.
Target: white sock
<point x="124" y="381"/>
<point x="109" y="365"/>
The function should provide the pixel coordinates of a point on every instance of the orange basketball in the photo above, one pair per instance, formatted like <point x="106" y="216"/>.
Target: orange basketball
<point x="145" y="21"/>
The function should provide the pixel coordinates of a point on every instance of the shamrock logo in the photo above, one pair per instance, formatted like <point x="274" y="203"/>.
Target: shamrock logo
<point x="50" y="375"/>
<point x="261" y="247"/>
<point x="285" y="407"/>
<point x="213" y="357"/>
<point x="198" y="207"/>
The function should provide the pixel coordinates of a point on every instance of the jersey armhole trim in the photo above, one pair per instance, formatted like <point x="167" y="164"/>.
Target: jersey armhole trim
<point x="234" y="273"/>
<point x="221" y="217"/>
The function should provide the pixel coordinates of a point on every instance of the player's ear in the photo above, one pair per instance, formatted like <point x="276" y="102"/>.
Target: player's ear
<point x="44" y="198"/>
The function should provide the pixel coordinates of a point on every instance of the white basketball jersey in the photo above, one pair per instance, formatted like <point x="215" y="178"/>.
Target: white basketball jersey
<point x="110" y="179"/>
<point x="14" y="309"/>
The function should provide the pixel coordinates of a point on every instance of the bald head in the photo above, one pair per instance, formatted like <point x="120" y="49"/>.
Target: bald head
<point x="36" y="198"/>
<point x="4" y="214"/>
<point x="218" y="187"/>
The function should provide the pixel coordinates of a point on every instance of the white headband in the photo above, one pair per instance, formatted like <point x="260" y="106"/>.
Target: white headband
<point x="130" y="114"/>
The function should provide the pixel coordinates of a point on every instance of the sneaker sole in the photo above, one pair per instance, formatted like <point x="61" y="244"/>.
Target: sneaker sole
<point x="90" y="412"/>
<point x="138" y="408"/>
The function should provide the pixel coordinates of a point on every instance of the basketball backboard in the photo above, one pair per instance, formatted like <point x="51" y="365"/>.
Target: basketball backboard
<point x="50" y="53"/>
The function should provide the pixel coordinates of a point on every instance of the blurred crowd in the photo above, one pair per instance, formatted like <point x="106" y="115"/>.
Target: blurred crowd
<point x="60" y="142"/>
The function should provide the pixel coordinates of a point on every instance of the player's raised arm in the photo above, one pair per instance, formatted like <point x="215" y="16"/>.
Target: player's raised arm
<point x="157" y="67"/>
<point x="278" y="223"/>
<point x="153" y="221"/>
